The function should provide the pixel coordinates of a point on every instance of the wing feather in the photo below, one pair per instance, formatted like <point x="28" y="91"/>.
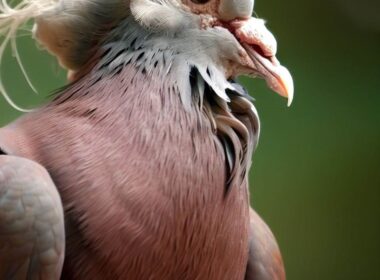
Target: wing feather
<point x="32" y="235"/>
<point x="265" y="261"/>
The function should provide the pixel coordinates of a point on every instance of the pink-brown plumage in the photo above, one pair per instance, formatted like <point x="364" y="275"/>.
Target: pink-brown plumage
<point x="143" y="183"/>
<point x="149" y="149"/>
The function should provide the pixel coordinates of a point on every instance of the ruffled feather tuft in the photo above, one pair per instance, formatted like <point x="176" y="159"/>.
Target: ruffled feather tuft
<point x="11" y="20"/>
<point x="68" y="29"/>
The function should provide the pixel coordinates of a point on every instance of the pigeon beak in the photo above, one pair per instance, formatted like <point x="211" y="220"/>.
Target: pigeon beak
<point x="277" y="76"/>
<point x="261" y="47"/>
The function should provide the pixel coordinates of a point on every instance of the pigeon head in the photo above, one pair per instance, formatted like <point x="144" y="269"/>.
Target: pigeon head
<point x="223" y="31"/>
<point x="218" y="37"/>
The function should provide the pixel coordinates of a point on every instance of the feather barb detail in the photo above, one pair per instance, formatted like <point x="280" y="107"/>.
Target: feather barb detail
<point x="12" y="19"/>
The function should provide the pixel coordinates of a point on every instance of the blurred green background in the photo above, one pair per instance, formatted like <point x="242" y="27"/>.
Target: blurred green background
<point x="316" y="177"/>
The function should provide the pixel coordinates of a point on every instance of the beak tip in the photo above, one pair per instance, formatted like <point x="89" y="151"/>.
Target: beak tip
<point x="287" y="85"/>
<point x="290" y="95"/>
<point x="289" y="103"/>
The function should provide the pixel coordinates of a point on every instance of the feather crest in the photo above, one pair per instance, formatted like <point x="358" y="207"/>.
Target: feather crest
<point x="11" y="20"/>
<point x="68" y="29"/>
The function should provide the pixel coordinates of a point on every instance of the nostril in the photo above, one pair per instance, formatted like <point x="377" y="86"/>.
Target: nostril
<point x="260" y="51"/>
<point x="2" y="152"/>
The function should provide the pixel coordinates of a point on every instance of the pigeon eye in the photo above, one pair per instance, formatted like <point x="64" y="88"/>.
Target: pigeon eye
<point x="200" y="1"/>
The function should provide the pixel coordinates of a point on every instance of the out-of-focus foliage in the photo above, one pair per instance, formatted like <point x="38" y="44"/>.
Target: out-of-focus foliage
<point x="315" y="177"/>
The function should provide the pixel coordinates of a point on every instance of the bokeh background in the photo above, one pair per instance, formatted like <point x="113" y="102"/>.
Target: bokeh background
<point x="316" y="177"/>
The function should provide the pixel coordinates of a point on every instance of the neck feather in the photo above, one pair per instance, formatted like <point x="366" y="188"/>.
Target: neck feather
<point x="199" y="82"/>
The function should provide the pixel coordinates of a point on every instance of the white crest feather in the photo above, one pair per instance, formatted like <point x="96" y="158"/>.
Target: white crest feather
<point x="11" y="20"/>
<point x="68" y="28"/>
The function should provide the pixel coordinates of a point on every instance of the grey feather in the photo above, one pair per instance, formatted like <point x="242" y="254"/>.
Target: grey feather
<point x="32" y="238"/>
